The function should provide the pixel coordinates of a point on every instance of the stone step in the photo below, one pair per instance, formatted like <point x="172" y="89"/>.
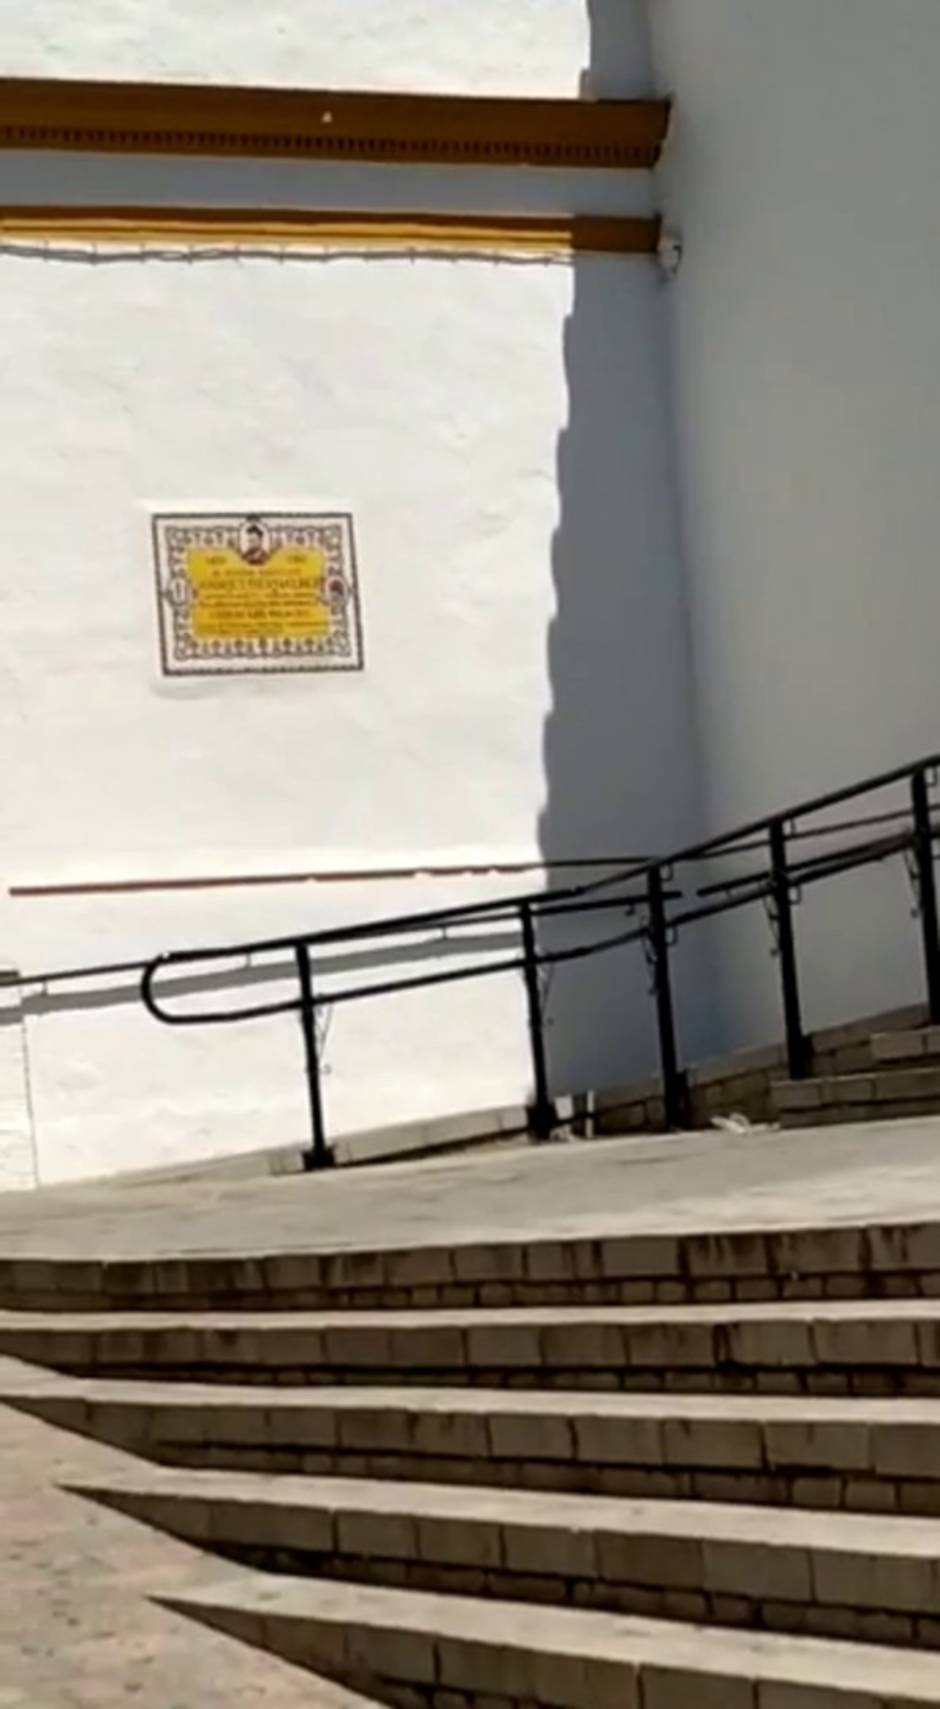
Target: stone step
<point x="886" y="1094"/>
<point x="855" y="1576"/>
<point x="866" y="1455"/>
<point x="748" y="1264"/>
<point x="914" y="1046"/>
<point x="412" y="1648"/>
<point x="825" y="1347"/>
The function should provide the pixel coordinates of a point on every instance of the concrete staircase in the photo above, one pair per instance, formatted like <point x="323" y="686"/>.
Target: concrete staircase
<point x="648" y="1472"/>
<point x="889" y="1076"/>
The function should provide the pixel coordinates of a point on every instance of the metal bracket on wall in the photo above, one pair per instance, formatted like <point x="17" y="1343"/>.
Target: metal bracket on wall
<point x="773" y="916"/>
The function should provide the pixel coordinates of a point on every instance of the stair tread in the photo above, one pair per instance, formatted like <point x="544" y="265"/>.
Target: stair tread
<point x="547" y="1263"/>
<point x="837" y="1532"/>
<point x="636" y="1645"/>
<point x="258" y="1397"/>
<point x="469" y="1317"/>
<point x="880" y="1074"/>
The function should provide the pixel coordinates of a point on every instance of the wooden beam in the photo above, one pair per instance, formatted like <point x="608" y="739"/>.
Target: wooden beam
<point x="254" y="228"/>
<point x="285" y="124"/>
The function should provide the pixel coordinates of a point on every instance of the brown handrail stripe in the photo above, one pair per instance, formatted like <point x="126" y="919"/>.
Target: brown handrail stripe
<point x="237" y="881"/>
<point x="553" y="234"/>
<point x="178" y="118"/>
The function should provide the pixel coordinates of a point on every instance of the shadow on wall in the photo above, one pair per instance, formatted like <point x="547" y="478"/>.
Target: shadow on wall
<point x="621" y="773"/>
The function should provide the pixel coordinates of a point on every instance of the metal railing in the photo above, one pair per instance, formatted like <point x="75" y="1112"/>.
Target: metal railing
<point x="907" y="831"/>
<point x="649" y="896"/>
<point x="524" y="912"/>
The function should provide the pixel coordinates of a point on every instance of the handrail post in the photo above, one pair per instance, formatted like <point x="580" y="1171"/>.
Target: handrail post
<point x="543" y="1117"/>
<point x="927" y="890"/>
<point x="797" y="1052"/>
<point x="320" y="1156"/>
<point x="673" y="1082"/>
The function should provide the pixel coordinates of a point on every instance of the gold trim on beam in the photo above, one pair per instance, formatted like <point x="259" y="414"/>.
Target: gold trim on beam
<point x="168" y="118"/>
<point x="249" y="227"/>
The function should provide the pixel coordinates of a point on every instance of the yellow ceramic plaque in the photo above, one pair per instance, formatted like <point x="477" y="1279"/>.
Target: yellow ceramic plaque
<point x="257" y="592"/>
<point x="281" y="600"/>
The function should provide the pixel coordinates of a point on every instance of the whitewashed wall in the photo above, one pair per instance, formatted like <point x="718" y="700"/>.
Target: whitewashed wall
<point x="499" y="430"/>
<point x="428" y="396"/>
<point x="802" y="172"/>
<point x="535" y="47"/>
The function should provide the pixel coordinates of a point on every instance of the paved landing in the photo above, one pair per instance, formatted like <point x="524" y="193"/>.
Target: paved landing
<point x="82" y="1630"/>
<point x="683" y="1182"/>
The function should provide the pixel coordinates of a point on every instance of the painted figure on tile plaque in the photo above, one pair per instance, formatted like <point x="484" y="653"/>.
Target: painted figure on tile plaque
<point x="257" y="593"/>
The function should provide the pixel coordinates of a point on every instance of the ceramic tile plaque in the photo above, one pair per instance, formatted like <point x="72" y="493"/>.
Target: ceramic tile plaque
<point x="256" y="592"/>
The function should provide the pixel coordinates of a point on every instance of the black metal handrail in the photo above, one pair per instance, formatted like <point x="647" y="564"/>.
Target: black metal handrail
<point x="643" y="891"/>
<point x="776" y="886"/>
<point x="525" y="911"/>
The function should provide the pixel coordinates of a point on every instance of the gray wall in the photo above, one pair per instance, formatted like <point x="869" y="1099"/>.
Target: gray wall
<point x="806" y="376"/>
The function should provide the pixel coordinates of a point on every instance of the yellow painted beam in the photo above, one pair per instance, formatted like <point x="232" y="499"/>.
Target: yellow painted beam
<point x="238" y="227"/>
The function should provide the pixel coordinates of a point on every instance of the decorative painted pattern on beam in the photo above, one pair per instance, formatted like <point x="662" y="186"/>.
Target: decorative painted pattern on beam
<point x="187" y="119"/>
<point x="249" y="227"/>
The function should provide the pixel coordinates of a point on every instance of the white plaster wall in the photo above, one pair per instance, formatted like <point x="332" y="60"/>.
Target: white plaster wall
<point x="533" y="47"/>
<point x="428" y="397"/>
<point x="511" y="486"/>
<point x="17" y="1155"/>
<point x="499" y="430"/>
<point x="100" y="180"/>
<point x="806" y="353"/>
